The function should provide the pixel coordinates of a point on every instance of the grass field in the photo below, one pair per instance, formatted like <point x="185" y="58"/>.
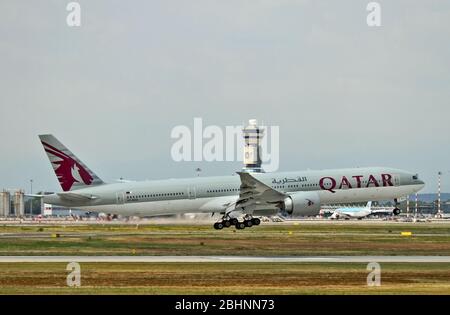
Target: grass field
<point x="287" y="239"/>
<point x="303" y="239"/>
<point x="225" y="278"/>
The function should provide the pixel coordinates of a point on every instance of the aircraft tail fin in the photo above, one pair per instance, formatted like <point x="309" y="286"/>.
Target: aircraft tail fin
<point x="369" y="205"/>
<point x="72" y="174"/>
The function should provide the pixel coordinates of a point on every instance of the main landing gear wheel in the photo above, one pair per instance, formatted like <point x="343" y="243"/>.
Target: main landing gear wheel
<point x="240" y="226"/>
<point x="256" y="221"/>
<point x="227" y="222"/>
<point x="234" y="221"/>
<point x="218" y="225"/>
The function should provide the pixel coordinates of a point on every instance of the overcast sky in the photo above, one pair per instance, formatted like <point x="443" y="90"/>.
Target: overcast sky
<point x="344" y="94"/>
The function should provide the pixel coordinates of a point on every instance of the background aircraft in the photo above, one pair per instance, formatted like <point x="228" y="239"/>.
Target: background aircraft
<point x="361" y="212"/>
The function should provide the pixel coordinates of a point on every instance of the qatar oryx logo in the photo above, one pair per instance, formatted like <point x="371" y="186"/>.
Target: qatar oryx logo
<point x="310" y="202"/>
<point x="67" y="169"/>
<point x="357" y="181"/>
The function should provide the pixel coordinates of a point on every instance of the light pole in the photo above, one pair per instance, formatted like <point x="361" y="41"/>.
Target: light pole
<point x="439" y="215"/>
<point x="416" y="206"/>
<point x="407" y="206"/>
<point x="31" y="197"/>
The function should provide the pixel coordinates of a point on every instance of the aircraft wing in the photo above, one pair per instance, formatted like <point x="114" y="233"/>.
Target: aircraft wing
<point x="382" y="211"/>
<point x="34" y="195"/>
<point x="255" y="195"/>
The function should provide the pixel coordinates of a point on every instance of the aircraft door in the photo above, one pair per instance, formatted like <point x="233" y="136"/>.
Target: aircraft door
<point x="120" y="198"/>
<point x="396" y="180"/>
<point x="191" y="192"/>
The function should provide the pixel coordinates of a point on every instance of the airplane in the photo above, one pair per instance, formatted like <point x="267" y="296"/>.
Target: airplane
<point x="240" y="198"/>
<point x="361" y="212"/>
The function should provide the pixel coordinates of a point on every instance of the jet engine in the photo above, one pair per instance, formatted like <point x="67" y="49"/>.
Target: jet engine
<point x="396" y="211"/>
<point x="302" y="203"/>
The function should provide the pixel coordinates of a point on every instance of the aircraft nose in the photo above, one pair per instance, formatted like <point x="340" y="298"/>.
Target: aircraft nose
<point x="417" y="180"/>
<point x="420" y="183"/>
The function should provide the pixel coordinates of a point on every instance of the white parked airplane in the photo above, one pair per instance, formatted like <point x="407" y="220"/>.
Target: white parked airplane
<point x="361" y="212"/>
<point x="240" y="199"/>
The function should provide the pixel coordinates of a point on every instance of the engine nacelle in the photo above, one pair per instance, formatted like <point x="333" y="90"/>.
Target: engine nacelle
<point x="302" y="203"/>
<point x="396" y="211"/>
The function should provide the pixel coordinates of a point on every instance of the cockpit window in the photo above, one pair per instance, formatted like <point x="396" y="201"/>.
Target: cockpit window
<point x="416" y="177"/>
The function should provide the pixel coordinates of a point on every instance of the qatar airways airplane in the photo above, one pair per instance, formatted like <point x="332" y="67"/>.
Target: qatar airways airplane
<point x="239" y="198"/>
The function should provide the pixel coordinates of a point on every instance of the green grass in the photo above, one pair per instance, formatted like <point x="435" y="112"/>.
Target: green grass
<point x="302" y="239"/>
<point x="225" y="278"/>
<point x="306" y="226"/>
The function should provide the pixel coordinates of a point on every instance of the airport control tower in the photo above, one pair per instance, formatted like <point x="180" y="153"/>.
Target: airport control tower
<point x="252" y="147"/>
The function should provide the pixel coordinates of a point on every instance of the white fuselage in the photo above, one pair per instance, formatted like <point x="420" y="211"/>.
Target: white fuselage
<point x="214" y="194"/>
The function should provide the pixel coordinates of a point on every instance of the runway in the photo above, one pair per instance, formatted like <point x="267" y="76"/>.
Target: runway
<point x="224" y="259"/>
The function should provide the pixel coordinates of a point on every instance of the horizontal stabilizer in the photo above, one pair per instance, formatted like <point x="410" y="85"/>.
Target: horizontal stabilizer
<point x="76" y="197"/>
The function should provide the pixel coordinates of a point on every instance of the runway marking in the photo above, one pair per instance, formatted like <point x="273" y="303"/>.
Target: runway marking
<point x="225" y="259"/>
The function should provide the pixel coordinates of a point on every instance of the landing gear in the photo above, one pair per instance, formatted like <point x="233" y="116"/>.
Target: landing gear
<point x="240" y="225"/>
<point x="256" y="221"/>
<point x="396" y="210"/>
<point x="227" y="222"/>
<point x="234" y="221"/>
<point x="218" y="225"/>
